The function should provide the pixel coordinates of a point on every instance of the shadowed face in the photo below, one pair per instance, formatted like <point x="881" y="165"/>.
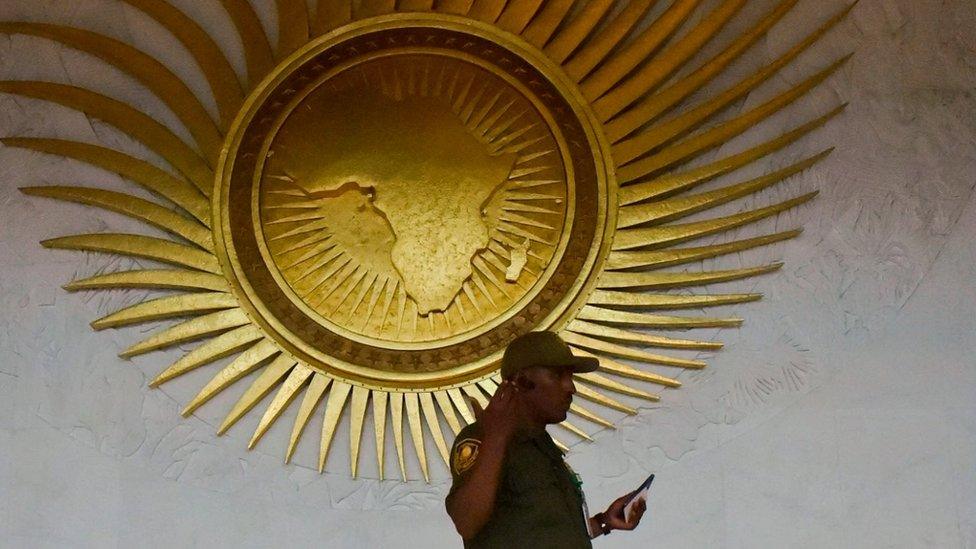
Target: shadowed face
<point x="547" y="392"/>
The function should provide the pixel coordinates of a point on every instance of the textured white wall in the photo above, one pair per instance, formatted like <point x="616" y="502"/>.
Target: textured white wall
<point x="843" y="413"/>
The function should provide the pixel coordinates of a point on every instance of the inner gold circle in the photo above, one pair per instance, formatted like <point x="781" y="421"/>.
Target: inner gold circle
<point x="414" y="198"/>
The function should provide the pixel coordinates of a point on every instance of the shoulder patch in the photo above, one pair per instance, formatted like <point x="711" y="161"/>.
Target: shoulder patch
<point x="464" y="455"/>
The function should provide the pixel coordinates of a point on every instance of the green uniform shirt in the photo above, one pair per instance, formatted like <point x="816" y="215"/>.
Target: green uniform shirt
<point x="538" y="504"/>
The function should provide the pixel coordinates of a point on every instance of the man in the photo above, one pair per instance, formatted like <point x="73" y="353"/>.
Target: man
<point x="511" y="486"/>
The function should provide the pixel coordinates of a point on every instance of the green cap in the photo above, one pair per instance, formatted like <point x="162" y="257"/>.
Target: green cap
<point x="543" y="349"/>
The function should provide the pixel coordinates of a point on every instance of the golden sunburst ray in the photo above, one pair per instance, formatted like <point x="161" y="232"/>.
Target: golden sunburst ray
<point x="257" y="50"/>
<point x="292" y="26"/>
<point x="189" y="330"/>
<point x="127" y="119"/>
<point x="144" y="210"/>
<point x="209" y="58"/>
<point x="162" y="279"/>
<point x="634" y="70"/>
<point x="144" y="68"/>
<point x="158" y="181"/>
<point x="271" y="376"/>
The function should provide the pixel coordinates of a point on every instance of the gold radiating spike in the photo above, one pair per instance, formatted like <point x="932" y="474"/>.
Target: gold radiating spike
<point x="675" y="208"/>
<point x="544" y="24"/>
<point x="601" y="44"/>
<point x="357" y="413"/>
<point x="523" y="220"/>
<point x="127" y="119"/>
<point x="486" y="10"/>
<point x="166" y="279"/>
<point x="166" y="307"/>
<point x="655" y="104"/>
<point x="396" y="409"/>
<point x="575" y="430"/>
<point x="134" y="245"/>
<point x="379" y="429"/>
<point x="620" y="369"/>
<point x="459" y="7"/>
<point x="304" y="228"/>
<point x="606" y="383"/>
<point x="517" y="15"/>
<point x="562" y="447"/>
<point x="603" y="400"/>
<point x="637" y="51"/>
<point x="675" y="234"/>
<point x="587" y="414"/>
<point x="216" y="68"/>
<point x="369" y="8"/>
<point x="196" y="328"/>
<point x="665" y="131"/>
<point x="659" y="280"/>
<point x="444" y="402"/>
<point x="661" y="322"/>
<point x="144" y="68"/>
<point x="709" y="138"/>
<point x="630" y="336"/>
<point x="433" y="423"/>
<point x="374" y="299"/>
<point x="415" y="5"/>
<point x="333" y="411"/>
<point x="582" y="342"/>
<point x="330" y="14"/>
<point x="672" y="183"/>
<point x="312" y="397"/>
<point x="214" y="349"/>
<point x="247" y="362"/>
<point x="292" y="26"/>
<point x="131" y="206"/>
<point x="658" y="69"/>
<point x="257" y="49"/>
<point x="676" y="256"/>
<point x="286" y="393"/>
<point x="158" y="181"/>
<point x="477" y="395"/>
<point x="458" y="399"/>
<point x="417" y="431"/>
<point x="261" y="386"/>
<point x="489" y="386"/>
<point x="645" y="300"/>
<point x="578" y="29"/>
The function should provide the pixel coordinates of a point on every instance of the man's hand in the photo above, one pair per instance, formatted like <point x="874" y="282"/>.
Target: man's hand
<point x="500" y="418"/>
<point x="615" y="514"/>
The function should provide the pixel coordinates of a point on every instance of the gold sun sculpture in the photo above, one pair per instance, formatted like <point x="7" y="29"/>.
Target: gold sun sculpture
<point x="401" y="188"/>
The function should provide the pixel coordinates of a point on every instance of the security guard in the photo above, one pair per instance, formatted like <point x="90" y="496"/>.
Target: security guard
<point x="511" y="486"/>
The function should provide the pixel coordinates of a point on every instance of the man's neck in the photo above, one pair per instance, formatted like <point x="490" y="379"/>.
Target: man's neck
<point x="530" y="426"/>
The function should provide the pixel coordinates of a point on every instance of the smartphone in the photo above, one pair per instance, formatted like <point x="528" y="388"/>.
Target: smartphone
<point x="642" y="488"/>
<point x="639" y="494"/>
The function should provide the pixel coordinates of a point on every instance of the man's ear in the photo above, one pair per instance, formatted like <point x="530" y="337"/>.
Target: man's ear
<point x="522" y="381"/>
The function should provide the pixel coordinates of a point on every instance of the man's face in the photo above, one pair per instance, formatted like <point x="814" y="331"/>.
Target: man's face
<point x="551" y="392"/>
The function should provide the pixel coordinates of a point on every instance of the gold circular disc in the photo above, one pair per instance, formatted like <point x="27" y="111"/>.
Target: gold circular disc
<point x="405" y="195"/>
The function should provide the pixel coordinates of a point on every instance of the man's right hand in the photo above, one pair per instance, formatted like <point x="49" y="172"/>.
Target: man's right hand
<point x="500" y="419"/>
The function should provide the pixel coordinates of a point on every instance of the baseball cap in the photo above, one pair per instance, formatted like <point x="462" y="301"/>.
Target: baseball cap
<point x="543" y="349"/>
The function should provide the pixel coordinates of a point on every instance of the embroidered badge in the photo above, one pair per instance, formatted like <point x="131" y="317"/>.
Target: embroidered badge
<point x="464" y="456"/>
